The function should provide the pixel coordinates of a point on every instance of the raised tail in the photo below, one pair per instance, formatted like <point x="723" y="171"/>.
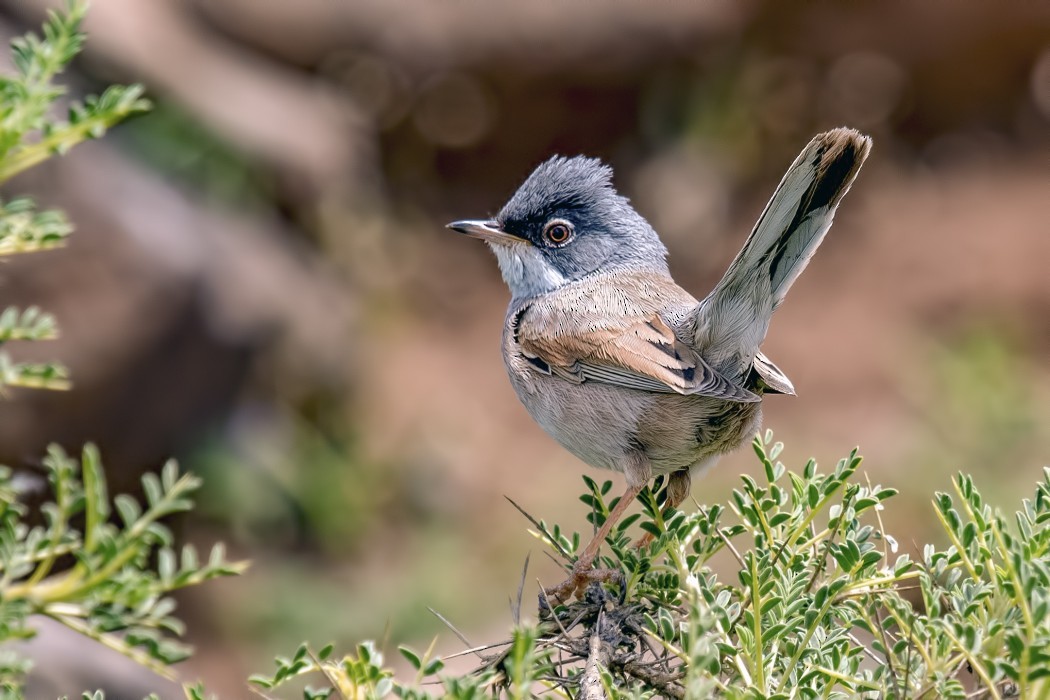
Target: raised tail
<point x="732" y="321"/>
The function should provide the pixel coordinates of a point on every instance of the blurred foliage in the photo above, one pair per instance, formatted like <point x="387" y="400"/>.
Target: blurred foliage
<point x="284" y="479"/>
<point x="986" y="407"/>
<point x="173" y="143"/>
<point x="28" y="136"/>
<point x="975" y="403"/>
<point x="117" y="588"/>
<point x="107" y="578"/>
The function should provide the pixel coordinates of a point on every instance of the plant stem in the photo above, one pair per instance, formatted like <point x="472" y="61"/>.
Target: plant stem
<point x="756" y="615"/>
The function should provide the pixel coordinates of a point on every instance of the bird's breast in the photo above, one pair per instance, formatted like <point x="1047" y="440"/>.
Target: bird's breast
<point x="602" y="423"/>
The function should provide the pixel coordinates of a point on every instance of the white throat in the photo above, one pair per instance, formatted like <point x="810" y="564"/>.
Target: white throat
<point x="525" y="270"/>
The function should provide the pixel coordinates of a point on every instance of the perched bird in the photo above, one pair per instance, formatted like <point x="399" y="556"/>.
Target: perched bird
<point x="615" y="361"/>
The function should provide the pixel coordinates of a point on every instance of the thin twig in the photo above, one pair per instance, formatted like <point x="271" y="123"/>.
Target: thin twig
<point x="117" y="644"/>
<point x="515" y="609"/>
<point x="543" y="530"/>
<point x="543" y="593"/>
<point x="892" y="672"/>
<point x="554" y="559"/>
<point x="476" y="650"/>
<point x="736" y="554"/>
<point x="452" y="627"/>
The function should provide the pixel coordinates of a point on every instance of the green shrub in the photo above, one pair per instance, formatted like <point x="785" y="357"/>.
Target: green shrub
<point x="110" y="577"/>
<point x="29" y="135"/>
<point x="822" y="604"/>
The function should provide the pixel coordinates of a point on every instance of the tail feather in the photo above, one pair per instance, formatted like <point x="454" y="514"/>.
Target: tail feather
<point x="732" y="321"/>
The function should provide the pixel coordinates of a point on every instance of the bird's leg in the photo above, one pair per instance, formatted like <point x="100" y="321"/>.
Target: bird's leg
<point x="637" y="473"/>
<point x="582" y="573"/>
<point x="678" y="484"/>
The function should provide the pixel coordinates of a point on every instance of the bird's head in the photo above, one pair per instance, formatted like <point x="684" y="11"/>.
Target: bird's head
<point x="565" y="222"/>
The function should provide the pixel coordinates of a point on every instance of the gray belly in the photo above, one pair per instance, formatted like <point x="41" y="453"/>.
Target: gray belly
<point x="601" y="423"/>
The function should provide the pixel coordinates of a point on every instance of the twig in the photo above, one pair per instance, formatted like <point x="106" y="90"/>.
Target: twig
<point x="515" y="609"/>
<point x="891" y="671"/>
<point x="729" y="545"/>
<point x="553" y="559"/>
<point x="452" y="627"/>
<point x="543" y="530"/>
<point x="598" y="658"/>
<point x="476" y="650"/>
<point x="564" y="632"/>
<point x="117" y="644"/>
<point x="666" y="682"/>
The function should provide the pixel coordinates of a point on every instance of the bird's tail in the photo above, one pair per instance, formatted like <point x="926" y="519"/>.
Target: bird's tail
<point x="732" y="320"/>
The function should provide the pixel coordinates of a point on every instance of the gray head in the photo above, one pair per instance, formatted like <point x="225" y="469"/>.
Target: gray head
<point x="566" y="222"/>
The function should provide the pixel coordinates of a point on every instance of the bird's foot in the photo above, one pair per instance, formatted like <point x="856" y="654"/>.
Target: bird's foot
<point x="579" y="580"/>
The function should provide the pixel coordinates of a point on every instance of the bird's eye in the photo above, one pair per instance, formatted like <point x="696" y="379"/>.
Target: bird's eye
<point x="557" y="232"/>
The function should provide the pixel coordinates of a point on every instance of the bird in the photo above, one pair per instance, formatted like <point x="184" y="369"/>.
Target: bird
<point x="613" y="359"/>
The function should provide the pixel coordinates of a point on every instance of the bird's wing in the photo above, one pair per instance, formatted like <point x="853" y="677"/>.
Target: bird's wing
<point x="638" y="352"/>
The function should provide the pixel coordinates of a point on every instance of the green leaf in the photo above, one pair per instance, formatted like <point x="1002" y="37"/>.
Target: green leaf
<point x="412" y="657"/>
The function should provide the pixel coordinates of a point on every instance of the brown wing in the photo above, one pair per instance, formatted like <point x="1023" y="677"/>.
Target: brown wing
<point x="636" y="353"/>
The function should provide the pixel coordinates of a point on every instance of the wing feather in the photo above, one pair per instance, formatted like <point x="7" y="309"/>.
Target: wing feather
<point x="639" y="352"/>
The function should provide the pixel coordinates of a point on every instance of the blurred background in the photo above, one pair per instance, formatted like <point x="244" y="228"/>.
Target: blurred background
<point x="261" y="284"/>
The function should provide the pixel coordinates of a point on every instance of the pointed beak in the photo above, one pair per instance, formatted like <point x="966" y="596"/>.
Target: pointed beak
<point x="488" y="231"/>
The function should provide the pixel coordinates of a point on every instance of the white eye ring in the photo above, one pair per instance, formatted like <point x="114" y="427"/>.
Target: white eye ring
<point x="557" y="232"/>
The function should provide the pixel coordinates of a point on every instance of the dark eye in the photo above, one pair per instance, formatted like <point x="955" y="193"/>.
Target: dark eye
<point x="557" y="232"/>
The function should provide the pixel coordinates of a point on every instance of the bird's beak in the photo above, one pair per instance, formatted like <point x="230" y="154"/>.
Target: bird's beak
<point x="488" y="231"/>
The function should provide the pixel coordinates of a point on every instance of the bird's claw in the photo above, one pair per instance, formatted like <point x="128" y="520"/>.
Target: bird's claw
<point x="577" y="583"/>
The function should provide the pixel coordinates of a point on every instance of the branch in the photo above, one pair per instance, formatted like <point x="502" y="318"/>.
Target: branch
<point x="591" y="682"/>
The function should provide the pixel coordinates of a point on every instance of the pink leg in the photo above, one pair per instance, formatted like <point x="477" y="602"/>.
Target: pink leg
<point x="637" y="472"/>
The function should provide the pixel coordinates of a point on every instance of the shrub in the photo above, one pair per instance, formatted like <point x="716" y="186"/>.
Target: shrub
<point x="108" y="579"/>
<point x="29" y="135"/>
<point x="822" y="604"/>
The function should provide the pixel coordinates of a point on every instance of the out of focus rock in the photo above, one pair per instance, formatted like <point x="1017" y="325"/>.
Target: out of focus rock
<point x="165" y="307"/>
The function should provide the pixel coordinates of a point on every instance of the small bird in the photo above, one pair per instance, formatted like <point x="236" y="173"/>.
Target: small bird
<point x="615" y="361"/>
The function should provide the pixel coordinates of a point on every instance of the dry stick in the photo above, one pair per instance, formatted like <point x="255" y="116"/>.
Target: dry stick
<point x="542" y="530"/>
<point x="667" y="683"/>
<point x="892" y="672"/>
<point x="452" y="627"/>
<point x="564" y="632"/>
<point x="552" y="558"/>
<point x="885" y="642"/>
<point x="475" y="650"/>
<point x="598" y="658"/>
<point x="729" y="545"/>
<point x="515" y="609"/>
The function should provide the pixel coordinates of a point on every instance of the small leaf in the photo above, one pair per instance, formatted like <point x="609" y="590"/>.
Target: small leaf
<point x="412" y="657"/>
